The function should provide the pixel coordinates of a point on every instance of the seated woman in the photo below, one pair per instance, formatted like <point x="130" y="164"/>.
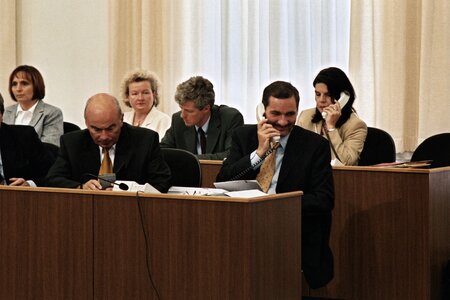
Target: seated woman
<point x="140" y="91"/>
<point x="27" y="88"/>
<point x="24" y="159"/>
<point x="338" y="123"/>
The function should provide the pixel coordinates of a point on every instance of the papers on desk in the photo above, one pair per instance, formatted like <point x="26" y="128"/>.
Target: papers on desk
<point x="246" y="194"/>
<point x="182" y="190"/>
<point x="248" y="189"/>
<point x="134" y="187"/>
<point x="241" y="188"/>
<point x="238" y="185"/>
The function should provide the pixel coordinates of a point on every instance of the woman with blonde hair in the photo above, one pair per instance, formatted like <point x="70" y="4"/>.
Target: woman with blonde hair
<point x="140" y="91"/>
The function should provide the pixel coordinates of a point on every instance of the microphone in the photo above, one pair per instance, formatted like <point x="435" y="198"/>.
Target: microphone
<point x="109" y="178"/>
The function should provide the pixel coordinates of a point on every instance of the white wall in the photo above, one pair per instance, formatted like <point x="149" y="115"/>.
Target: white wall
<point x="67" y="41"/>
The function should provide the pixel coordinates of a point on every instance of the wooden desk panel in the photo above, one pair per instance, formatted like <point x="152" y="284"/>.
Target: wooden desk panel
<point x="46" y="245"/>
<point x="390" y="233"/>
<point x="210" y="169"/>
<point x="199" y="248"/>
<point x="73" y="244"/>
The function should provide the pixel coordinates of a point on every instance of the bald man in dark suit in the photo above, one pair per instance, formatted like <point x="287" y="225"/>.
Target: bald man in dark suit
<point x="134" y="151"/>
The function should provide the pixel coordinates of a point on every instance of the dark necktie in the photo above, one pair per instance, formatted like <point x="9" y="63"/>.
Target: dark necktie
<point x="106" y="167"/>
<point x="267" y="170"/>
<point x="202" y="140"/>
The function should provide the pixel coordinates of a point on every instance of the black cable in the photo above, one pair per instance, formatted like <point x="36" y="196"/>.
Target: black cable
<point x="147" y="249"/>
<point x="248" y="169"/>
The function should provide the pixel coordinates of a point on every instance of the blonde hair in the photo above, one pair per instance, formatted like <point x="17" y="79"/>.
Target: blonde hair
<point x="138" y="76"/>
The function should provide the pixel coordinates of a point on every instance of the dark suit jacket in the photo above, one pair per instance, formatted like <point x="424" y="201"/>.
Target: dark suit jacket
<point x="222" y="123"/>
<point x="137" y="158"/>
<point x="306" y="167"/>
<point x="23" y="153"/>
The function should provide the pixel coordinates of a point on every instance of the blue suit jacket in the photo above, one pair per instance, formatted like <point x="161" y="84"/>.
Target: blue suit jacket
<point x="305" y="167"/>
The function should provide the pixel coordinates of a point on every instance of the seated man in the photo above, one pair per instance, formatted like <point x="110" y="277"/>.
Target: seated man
<point x="300" y="162"/>
<point x="24" y="160"/>
<point x="133" y="153"/>
<point x="201" y="127"/>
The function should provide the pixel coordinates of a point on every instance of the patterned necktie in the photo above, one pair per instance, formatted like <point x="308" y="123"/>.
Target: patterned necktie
<point x="106" y="167"/>
<point x="267" y="170"/>
<point x="202" y="140"/>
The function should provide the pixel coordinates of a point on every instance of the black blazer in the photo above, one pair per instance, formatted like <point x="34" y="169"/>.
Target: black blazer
<point x="137" y="158"/>
<point x="23" y="153"/>
<point x="306" y="167"/>
<point x="222" y="123"/>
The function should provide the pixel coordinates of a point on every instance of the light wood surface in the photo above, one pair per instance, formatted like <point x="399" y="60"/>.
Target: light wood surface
<point x="73" y="244"/>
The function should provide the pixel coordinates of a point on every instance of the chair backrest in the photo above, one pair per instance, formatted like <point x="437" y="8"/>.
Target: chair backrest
<point x="185" y="167"/>
<point x="435" y="148"/>
<point x="379" y="147"/>
<point x="68" y="127"/>
<point x="52" y="149"/>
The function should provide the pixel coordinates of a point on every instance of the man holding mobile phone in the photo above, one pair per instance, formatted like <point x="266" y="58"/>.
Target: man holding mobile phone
<point x="302" y="162"/>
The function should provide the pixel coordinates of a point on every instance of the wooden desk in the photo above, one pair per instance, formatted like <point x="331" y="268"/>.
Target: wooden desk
<point x="210" y="169"/>
<point x="74" y="244"/>
<point x="390" y="234"/>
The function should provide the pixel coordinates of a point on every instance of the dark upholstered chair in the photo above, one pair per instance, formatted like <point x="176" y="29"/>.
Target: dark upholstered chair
<point x="68" y="127"/>
<point x="52" y="149"/>
<point x="379" y="147"/>
<point x="185" y="167"/>
<point x="435" y="148"/>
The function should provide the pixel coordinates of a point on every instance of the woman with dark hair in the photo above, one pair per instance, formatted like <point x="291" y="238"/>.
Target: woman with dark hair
<point x="337" y="122"/>
<point x="27" y="88"/>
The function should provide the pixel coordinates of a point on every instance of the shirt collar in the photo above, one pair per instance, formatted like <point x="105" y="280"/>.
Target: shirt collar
<point x="205" y="126"/>
<point x="31" y="110"/>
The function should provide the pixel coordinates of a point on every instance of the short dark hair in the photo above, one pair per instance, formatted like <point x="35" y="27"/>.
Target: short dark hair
<point x="2" y="105"/>
<point x="33" y="75"/>
<point x="197" y="89"/>
<point x="280" y="90"/>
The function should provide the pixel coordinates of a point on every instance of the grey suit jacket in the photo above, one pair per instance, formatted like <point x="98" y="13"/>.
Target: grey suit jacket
<point x="222" y="123"/>
<point x="47" y="120"/>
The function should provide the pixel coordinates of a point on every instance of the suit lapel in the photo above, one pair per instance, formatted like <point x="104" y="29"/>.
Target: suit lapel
<point x="291" y="154"/>
<point x="38" y="113"/>
<point x="190" y="136"/>
<point x="123" y="153"/>
<point x="213" y="130"/>
<point x="89" y="155"/>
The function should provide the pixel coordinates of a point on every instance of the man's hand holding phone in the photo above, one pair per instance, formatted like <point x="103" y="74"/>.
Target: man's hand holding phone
<point x="266" y="132"/>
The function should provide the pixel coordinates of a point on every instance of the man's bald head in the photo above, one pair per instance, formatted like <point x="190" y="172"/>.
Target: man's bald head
<point x="102" y="102"/>
<point x="103" y="117"/>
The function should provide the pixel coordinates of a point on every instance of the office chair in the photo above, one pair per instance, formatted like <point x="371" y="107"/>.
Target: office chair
<point x="52" y="149"/>
<point x="379" y="147"/>
<point x="435" y="148"/>
<point x="185" y="167"/>
<point x="68" y="127"/>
